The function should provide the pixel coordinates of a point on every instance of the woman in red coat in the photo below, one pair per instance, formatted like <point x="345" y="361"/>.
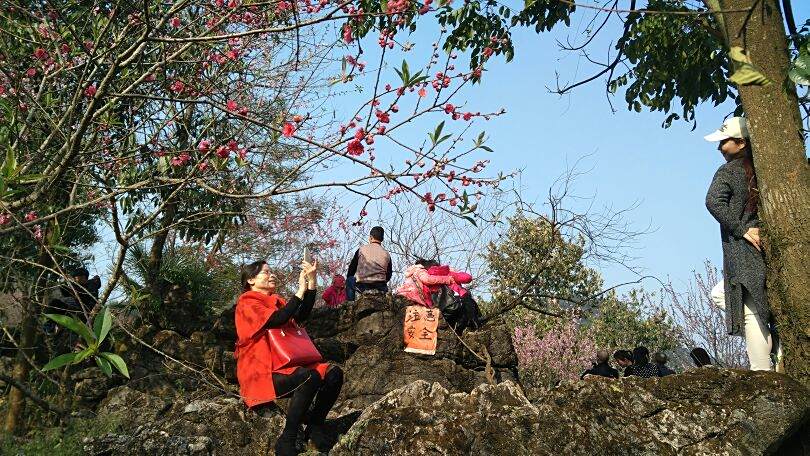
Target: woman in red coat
<point x="259" y="309"/>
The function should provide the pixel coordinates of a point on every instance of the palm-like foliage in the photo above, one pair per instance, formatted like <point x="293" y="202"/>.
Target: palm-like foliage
<point x="187" y="284"/>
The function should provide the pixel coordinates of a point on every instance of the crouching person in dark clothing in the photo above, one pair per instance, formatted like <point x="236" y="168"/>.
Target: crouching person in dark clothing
<point x="601" y="368"/>
<point x="642" y="367"/>
<point x="660" y="360"/>
<point x="624" y="359"/>
<point x="316" y="384"/>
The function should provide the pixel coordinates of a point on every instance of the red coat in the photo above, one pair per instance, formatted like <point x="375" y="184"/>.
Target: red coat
<point x="335" y="295"/>
<point x="254" y="368"/>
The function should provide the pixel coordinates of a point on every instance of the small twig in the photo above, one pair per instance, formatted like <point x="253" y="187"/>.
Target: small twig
<point x="32" y="395"/>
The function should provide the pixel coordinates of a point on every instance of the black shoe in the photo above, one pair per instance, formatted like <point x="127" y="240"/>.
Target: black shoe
<point x="286" y="447"/>
<point x="320" y="438"/>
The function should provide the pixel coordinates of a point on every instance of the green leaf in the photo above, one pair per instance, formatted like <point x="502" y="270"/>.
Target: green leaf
<point x="73" y="325"/>
<point x="738" y="55"/>
<point x="104" y="365"/>
<point x="486" y="148"/>
<point x="10" y="163"/>
<point x="799" y="77"/>
<point x="55" y="233"/>
<point x="406" y="72"/>
<point x="29" y="179"/>
<point x="82" y="355"/>
<point x="59" y="361"/>
<point x="747" y="74"/>
<point x="61" y="248"/>
<point x="116" y="361"/>
<point x="163" y="164"/>
<point x="438" y="131"/>
<point x="102" y="324"/>
<point x="480" y="139"/>
<point x="471" y="220"/>
<point x="802" y="62"/>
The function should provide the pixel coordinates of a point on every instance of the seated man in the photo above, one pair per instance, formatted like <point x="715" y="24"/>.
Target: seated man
<point x="601" y="368"/>
<point x="660" y="360"/>
<point x="370" y="268"/>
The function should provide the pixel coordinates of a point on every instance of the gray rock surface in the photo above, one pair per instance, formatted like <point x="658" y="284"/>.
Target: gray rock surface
<point x="701" y="412"/>
<point x="396" y="403"/>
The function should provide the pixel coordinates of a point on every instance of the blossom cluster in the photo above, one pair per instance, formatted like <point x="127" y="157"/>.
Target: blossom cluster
<point x="560" y="354"/>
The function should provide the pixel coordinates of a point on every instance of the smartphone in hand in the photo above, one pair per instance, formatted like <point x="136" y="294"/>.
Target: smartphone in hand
<point x="307" y="256"/>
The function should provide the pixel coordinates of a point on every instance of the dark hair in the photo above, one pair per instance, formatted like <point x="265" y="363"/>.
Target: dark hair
<point x="700" y="357"/>
<point x="623" y="354"/>
<point x="641" y="355"/>
<point x="660" y="358"/>
<point x="250" y="271"/>
<point x="80" y="272"/>
<point x="377" y="233"/>
<point x="426" y="263"/>
<point x="747" y="157"/>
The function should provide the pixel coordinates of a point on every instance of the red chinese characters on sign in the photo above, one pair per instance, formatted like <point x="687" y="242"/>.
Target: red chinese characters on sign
<point x="420" y="330"/>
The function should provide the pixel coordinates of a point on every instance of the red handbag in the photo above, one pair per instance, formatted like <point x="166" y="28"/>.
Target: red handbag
<point x="290" y="346"/>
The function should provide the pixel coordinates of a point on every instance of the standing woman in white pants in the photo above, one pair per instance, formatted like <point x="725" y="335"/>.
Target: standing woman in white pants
<point x="733" y="200"/>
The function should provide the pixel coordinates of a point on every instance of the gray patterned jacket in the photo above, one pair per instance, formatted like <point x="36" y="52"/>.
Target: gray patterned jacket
<point x="743" y="265"/>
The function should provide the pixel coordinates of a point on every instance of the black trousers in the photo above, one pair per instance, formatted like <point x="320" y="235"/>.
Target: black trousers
<point x="303" y="386"/>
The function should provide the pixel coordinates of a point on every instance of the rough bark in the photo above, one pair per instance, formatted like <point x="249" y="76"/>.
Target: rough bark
<point x="19" y="375"/>
<point x="782" y="172"/>
<point x="153" y="282"/>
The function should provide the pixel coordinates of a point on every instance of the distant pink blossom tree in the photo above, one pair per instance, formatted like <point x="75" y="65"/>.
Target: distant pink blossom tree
<point x="560" y="354"/>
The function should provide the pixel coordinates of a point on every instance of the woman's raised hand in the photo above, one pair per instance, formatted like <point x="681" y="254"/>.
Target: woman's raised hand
<point x="309" y="269"/>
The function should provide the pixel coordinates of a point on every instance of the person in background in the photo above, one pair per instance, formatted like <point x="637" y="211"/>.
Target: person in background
<point x="77" y="295"/>
<point x="370" y="268"/>
<point x="419" y="283"/>
<point x="700" y="357"/>
<point x="624" y="359"/>
<point x="660" y="360"/>
<point x="470" y="315"/>
<point x="601" y="368"/>
<point x="642" y="367"/>
<point x="335" y="294"/>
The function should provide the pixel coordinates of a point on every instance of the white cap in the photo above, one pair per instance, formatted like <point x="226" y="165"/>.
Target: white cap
<point x="734" y="127"/>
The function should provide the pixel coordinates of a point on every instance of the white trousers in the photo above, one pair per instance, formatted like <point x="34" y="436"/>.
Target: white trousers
<point x="758" y="342"/>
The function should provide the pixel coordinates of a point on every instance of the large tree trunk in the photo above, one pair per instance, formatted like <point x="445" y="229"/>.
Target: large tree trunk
<point x="782" y="172"/>
<point x="16" y="398"/>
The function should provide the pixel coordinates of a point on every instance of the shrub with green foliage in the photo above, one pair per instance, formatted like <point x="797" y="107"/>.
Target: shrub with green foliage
<point x="630" y="321"/>
<point x="188" y="285"/>
<point x="562" y="318"/>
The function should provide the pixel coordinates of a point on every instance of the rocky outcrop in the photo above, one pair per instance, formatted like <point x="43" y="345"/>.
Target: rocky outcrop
<point x="364" y="337"/>
<point x="464" y="400"/>
<point x="152" y="425"/>
<point x="156" y="426"/>
<point x="700" y="412"/>
<point x="370" y="330"/>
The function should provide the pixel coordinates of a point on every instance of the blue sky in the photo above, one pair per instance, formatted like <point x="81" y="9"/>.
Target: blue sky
<point x="633" y="160"/>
